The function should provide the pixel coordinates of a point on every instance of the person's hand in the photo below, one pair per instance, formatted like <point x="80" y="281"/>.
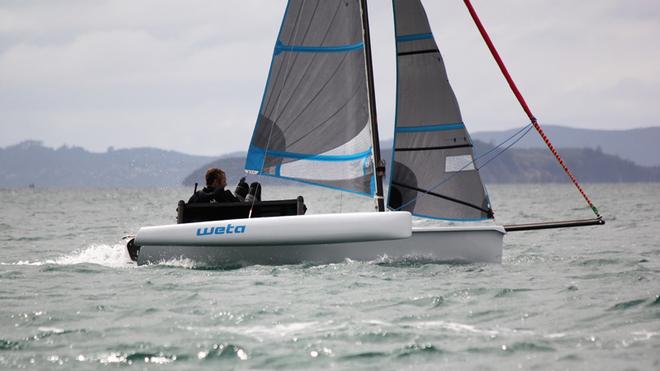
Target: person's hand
<point x="242" y="188"/>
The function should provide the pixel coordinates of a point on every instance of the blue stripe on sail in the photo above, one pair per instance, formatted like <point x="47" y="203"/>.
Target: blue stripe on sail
<point x="322" y="185"/>
<point x="257" y="154"/>
<point x="279" y="48"/>
<point x="255" y="159"/>
<point x="414" y="37"/>
<point x="421" y="129"/>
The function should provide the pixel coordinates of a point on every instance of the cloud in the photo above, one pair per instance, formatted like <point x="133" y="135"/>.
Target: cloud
<point x="190" y="75"/>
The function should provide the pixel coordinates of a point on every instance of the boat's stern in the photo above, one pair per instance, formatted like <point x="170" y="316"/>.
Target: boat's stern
<point x="133" y="249"/>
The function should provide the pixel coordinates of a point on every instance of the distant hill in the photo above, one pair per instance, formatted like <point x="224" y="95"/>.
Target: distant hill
<point x="637" y="145"/>
<point x="31" y="162"/>
<point x="517" y="165"/>
<point x="538" y="165"/>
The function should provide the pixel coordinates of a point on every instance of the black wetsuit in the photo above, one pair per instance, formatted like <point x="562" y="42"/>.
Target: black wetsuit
<point x="210" y="194"/>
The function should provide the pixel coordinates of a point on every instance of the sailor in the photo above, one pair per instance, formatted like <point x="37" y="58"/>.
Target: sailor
<point x="216" y="181"/>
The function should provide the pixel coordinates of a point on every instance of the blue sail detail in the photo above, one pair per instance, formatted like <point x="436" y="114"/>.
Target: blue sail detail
<point x="279" y="48"/>
<point x="427" y="128"/>
<point x="257" y="158"/>
<point x="414" y="37"/>
<point x="259" y="153"/>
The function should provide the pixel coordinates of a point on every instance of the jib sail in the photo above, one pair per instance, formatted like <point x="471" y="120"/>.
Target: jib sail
<point x="433" y="174"/>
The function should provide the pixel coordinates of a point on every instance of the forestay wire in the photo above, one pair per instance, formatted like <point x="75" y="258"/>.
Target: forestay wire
<point x="524" y="105"/>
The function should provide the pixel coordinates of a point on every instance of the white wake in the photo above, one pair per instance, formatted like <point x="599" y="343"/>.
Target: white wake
<point x="113" y="256"/>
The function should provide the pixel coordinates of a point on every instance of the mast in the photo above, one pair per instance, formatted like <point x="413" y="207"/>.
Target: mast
<point x="379" y="165"/>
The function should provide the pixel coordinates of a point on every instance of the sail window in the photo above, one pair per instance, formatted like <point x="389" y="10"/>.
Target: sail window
<point x="458" y="163"/>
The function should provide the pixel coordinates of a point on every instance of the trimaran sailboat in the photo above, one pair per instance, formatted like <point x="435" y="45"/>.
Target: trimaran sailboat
<point x="318" y="125"/>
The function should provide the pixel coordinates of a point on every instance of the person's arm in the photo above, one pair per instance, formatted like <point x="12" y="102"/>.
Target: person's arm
<point x="224" y="195"/>
<point x="200" y="197"/>
<point x="242" y="190"/>
<point x="230" y="197"/>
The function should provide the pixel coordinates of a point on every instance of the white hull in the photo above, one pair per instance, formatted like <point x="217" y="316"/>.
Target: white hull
<point x="437" y="244"/>
<point x="282" y="230"/>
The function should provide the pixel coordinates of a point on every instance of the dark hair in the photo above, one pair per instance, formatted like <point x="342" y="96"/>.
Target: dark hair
<point x="212" y="174"/>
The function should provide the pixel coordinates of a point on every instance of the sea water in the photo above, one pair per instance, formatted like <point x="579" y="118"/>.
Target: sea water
<point x="583" y="298"/>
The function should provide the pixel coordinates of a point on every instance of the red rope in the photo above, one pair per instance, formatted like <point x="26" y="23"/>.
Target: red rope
<point x="520" y="98"/>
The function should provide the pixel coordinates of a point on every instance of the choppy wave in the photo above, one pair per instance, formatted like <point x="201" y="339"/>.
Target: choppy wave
<point x="560" y="299"/>
<point x="181" y="263"/>
<point x="113" y="256"/>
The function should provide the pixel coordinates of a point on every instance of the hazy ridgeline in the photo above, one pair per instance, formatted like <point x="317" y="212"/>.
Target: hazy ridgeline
<point x="593" y="155"/>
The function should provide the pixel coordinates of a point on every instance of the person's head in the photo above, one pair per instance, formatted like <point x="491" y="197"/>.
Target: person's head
<point x="215" y="178"/>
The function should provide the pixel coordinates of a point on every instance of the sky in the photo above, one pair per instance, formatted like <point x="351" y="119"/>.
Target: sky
<point x="189" y="75"/>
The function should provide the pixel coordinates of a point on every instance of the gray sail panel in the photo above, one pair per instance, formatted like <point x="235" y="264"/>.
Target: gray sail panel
<point x="433" y="174"/>
<point x="317" y="109"/>
<point x="313" y="125"/>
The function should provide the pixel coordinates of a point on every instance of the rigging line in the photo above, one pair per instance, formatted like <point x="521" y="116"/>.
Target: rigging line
<point x="521" y="100"/>
<point x="529" y="127"/>
<point x="448" y="198"/>
<point x="526" y="128"/>
<point x="272" y="126"/>
<point x="311" y="62"/>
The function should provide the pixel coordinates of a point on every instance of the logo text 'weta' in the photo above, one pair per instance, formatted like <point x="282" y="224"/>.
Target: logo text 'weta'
<point x="228" y="229"/>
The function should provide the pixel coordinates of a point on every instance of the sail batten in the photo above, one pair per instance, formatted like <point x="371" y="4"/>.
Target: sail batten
<point x="448" y="198"/>
<point x="433" y="148"/>
<point x="433" y="174"/>
<point x="428" y="128"/>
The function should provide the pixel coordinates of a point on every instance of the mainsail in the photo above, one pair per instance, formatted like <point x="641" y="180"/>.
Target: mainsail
<point x="433" y="172"/>
<point x="313" y="124"/>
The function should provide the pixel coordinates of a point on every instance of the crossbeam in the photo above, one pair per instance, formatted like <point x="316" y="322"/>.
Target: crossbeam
<point x="556" y="224"/>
